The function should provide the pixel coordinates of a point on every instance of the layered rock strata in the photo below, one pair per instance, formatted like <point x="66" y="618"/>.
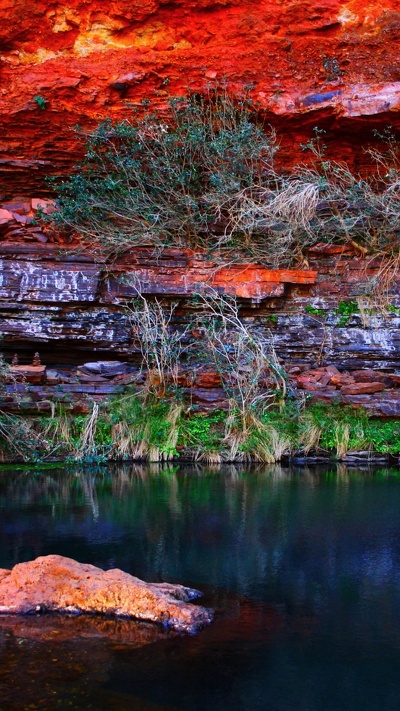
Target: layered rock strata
<point x="52" y="300"/>
<point x="376" y="391"/>
<point x="342" y="311"/>
<point x="55" y="583"/>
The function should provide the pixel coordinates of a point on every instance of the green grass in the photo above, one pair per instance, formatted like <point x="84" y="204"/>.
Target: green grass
<point x="131" y="428"/>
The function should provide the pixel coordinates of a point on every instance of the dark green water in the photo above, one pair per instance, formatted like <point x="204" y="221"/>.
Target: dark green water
<point x="303" y="567"/>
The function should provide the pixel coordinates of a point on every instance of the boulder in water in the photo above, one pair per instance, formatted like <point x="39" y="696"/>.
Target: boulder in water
<point x="55" y="583"/>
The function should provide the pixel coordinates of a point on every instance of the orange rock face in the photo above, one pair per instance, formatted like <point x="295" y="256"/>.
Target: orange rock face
<point x="333" y="63"/>
<point x="56" y="583"/>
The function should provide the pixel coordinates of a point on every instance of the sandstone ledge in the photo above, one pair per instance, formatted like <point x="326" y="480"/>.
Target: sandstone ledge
<point x="55" y="583"/>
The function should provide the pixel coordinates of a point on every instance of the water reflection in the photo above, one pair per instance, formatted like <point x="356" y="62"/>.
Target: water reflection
<point x="302" y="564"/>
<point x="234" y="529"/>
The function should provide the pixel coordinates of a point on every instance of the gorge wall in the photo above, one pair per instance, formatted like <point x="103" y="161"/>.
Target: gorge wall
<point x="343" y="312"/>
<point x="333" y="63"/>
<point x="68" y="306"/>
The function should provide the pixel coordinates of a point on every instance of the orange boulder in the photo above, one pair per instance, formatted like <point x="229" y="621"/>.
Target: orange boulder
<point x="55" y="583"/>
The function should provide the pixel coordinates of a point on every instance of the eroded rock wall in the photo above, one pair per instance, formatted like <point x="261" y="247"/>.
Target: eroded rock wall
<point x="334" y="63"/>
<point x="68" y="305"/>
<point x="334" y="326"/>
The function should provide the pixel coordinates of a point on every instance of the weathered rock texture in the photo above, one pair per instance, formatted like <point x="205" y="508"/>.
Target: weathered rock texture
<point x="73" y="310"/>
<point x="54" y="583"/>
<point x="376" y="391"/>
<point x="52" y="300"/>
<point x="333" y="63"/>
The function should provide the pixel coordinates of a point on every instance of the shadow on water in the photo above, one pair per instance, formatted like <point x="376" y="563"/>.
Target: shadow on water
<point x="302" y="565"/>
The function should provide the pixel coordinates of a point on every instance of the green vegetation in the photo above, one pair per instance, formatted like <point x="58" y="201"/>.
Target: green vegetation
<point x="271" y="320"/>
<point x="166" y="181"/>
<point x="203" y="176"/>
<point x="40" y="102"/>
<point x="346" y="309"/>
<point x="315" y="311"/>
<point x="128" y="429"/>
<point x="16" y="433"/>
<point x="160" y="420"/>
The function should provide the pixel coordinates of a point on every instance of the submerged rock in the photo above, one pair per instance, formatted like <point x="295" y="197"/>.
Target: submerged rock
<point x="55" y="583"/>
<point x="55" y="628"/>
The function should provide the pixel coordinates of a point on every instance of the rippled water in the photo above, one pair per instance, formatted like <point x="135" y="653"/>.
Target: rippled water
<point x="302" y="566"/>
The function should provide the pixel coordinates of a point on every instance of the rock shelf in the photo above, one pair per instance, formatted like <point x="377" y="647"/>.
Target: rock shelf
<point x="57" y="584"/>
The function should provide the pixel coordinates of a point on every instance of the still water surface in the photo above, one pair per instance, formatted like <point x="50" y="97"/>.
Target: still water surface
<point x="302" y="566"/>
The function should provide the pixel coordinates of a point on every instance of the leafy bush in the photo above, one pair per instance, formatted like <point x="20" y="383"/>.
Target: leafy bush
<point x="204" y="432"/>
<point x="345" y="310"/>
<point x="203" y="177"/>
<point x="162" y="180"/>
<point x="384" y="437"/>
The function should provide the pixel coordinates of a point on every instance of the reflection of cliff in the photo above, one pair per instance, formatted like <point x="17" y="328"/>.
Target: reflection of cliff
<point x="302" y="538"/>
<point x="333" y="63"/>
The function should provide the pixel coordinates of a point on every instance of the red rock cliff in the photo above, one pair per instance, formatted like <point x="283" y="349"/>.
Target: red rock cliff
<point x="333" y="63"/>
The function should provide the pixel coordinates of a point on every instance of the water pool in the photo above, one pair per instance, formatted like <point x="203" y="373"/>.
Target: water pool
<point x="302" y="566"/>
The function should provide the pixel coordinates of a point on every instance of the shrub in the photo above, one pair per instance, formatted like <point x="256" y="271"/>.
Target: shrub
<point x="203" y="177"/>
<point x="161" y="344"/>
<point x="17" y="435"/>
<point x="163" y="180"/>
<point x="243" y="356"/>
